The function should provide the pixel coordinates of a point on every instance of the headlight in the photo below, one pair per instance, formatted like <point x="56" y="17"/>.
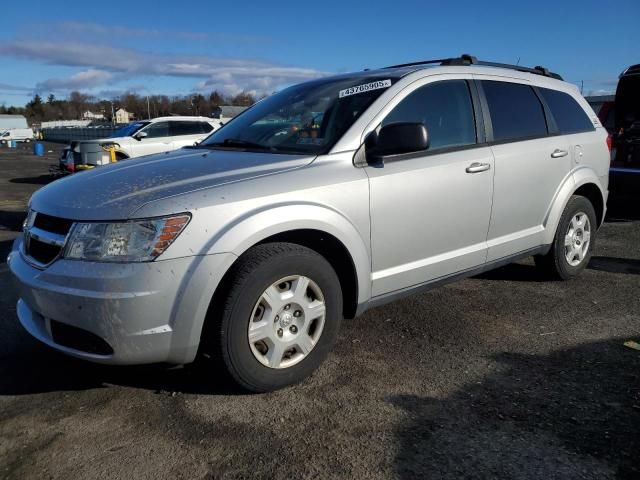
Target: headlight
<point x="133" y="241"/>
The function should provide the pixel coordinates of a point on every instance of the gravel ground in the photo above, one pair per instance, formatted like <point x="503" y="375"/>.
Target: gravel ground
<point x="499" y="376"/>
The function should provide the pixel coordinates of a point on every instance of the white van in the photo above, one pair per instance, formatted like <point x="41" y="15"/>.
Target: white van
<point x="16" y="134"/>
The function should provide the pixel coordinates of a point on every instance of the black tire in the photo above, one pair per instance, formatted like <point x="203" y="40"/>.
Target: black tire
<point x="555" y="264"/>
<point x="256" y="270"/>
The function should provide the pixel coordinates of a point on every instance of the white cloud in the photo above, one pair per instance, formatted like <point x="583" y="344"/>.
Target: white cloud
<point x="82" y="80"/>
<point x="600" y="91"/>
<point x="231" y="75"/>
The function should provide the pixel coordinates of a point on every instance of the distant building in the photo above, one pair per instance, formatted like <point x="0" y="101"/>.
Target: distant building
<point x="122" y="116"/>
<point x="88" y="115"/>
<point x="8" y="122"/>
<point x="227" y="111"/>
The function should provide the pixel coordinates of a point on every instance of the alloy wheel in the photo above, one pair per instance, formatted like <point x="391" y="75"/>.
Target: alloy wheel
<point x="286" y="322"/>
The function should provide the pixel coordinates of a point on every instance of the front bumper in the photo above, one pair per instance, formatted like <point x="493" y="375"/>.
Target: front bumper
<point x="146" y="312"/>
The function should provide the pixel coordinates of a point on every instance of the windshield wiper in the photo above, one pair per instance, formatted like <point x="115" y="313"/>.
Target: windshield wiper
<point x="239" y="143"/>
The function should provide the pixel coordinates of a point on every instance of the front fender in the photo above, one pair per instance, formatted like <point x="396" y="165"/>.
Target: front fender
<point x="257" y="225"/>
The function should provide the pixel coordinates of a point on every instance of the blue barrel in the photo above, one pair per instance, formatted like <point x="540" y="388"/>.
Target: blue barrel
<point x="12" y="144"/>
<point x="38" y="149"/>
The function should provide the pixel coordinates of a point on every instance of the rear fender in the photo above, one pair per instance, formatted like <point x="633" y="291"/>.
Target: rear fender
<point x="578" y="177"/>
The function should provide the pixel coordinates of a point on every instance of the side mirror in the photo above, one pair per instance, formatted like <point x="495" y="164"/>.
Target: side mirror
<point x="140" y="135"/>
<point x="395" y="139"/>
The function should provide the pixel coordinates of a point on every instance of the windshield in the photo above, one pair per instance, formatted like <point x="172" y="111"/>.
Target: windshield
<point x="304" y="119"/>
<point x="129" y="130"/>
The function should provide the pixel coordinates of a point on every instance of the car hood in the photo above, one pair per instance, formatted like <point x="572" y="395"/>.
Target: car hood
<point x="116" y="191"/>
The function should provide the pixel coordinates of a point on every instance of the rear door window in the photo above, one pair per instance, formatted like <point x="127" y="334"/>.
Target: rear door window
<point x="569" y="116"/>
<point x="180" y="128"/>
<point x="444" y="108"/>
<point x="515" y="110"/>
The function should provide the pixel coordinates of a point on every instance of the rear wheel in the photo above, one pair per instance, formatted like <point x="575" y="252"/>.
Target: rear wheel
<point x="281" y="316"/>
<point x="574" y="241"/>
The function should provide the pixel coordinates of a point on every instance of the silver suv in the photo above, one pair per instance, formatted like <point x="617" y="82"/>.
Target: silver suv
<point x="317" y="203"/>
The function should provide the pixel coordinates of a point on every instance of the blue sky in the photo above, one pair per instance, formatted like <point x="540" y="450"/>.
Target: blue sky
<point x="107" y="48"/>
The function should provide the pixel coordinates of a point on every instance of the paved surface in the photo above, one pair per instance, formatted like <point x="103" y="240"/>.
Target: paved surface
<point x="501" y="376"/>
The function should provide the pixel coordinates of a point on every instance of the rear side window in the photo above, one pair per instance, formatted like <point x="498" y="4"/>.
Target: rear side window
<point x="516" y="113"/>
<point x="569" y="116"/>
<point x="179" y="128"/>
<point x="445" y="108"/>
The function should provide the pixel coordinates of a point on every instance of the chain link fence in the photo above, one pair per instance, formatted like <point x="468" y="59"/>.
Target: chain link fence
<point x="71" y="134"/>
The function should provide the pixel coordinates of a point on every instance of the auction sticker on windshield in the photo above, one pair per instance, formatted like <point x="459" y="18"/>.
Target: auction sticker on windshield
<point x="364" y="88"/>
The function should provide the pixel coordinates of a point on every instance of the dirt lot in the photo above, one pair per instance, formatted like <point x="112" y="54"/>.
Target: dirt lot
<point x="501" y="376"/>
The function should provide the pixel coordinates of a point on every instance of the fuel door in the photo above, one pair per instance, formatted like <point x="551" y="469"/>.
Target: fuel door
<point x="577" y="154"/>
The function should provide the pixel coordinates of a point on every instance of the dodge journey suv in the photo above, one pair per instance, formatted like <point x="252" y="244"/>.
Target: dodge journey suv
<point x="317" y="203"/>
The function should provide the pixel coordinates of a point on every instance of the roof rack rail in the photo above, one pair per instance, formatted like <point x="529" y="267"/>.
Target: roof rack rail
<point x="466" y="59"/>
<point x="632" y="70"/>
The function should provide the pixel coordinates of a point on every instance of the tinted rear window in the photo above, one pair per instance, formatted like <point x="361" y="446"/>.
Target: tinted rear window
<point x="185" y="128"/>
<point x="516" y="113"/>
<point x="569" y="116"/>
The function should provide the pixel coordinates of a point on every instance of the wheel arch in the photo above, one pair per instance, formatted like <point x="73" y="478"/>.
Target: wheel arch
<point x="584" y="182"/>
<point x="316" y="226"/>
<point x="592" y="193"/>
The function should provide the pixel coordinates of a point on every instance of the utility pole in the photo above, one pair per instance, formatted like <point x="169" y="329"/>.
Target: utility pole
<point x="113" y="114"/>
<point x="148" y="109"/>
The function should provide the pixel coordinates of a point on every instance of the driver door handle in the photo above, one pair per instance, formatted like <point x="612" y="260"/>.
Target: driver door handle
<point x="476" y="167"/>
<point x="557" y="153"/>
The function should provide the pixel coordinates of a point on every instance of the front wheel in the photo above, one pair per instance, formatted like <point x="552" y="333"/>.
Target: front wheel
<point x="281" y="316"/>
<point x="574" y="241"/>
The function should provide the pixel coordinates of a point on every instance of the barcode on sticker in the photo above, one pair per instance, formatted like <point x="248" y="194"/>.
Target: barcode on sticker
<point x="364" y="88"/>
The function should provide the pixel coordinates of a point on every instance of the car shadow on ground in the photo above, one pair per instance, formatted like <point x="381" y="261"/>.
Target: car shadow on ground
<point x="520" y="272"/>
<point x="615" y="265"/>
<point x="572" y="414"/>
<point x="39" y="180"/>
<point x="36" y="368"/>
<point x="515" y="272"/>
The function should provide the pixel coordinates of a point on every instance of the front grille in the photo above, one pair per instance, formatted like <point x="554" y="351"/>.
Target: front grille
<point x="52" y="224"/>
<point x="44" y="237"/>
<point x="79" y="339"/>
<point x="42" y="252"/>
